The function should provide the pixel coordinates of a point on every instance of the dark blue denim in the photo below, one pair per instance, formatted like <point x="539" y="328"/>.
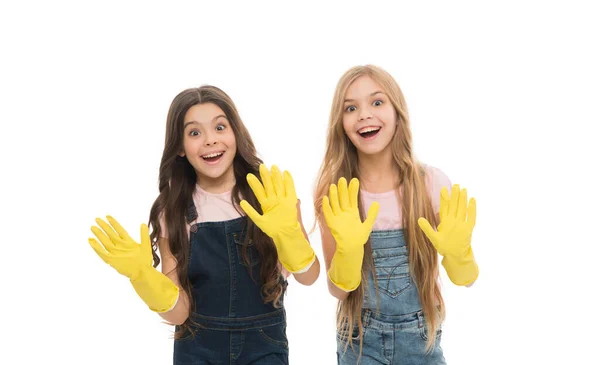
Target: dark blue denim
<point x="235" y="325"/>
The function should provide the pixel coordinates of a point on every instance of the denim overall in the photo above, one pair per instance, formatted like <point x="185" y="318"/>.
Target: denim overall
<point x="236" y="326"/>
<point x="396" y="334"/>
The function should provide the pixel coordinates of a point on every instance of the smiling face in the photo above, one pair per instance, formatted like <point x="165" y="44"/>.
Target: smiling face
<point x="209" y="144"/>
<point x="369" y="118"/>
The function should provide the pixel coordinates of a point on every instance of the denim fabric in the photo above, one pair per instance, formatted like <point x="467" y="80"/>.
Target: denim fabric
<point x="394" y="328"/>
<point x="235" y="325"/>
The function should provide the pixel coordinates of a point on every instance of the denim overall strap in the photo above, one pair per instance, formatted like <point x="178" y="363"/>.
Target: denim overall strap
<point x="393" y="293"/>
<point x="234" y="325"/>
<point x="225" y="286"/>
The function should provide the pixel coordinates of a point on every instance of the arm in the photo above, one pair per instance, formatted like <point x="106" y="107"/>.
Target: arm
<point x="438" y="180"/>
<point x="181" y="311"/>
<point x="328" y="243"/>
<point x="309" y="276"/>
<point x="134" y="260"/>
<point x="280" y="219"/>
<point x="437" y="222"/>
<point x="345" y="236"/>
<point x="452" y="239"/>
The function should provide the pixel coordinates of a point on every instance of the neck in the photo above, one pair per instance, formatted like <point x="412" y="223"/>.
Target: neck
<point x="378" y="173"/>
<point x="221" y="184"/>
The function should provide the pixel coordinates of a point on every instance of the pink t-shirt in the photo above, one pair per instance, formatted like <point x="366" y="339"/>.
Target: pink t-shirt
<point x="390" y="214"/>
<point x="213" y="208"/>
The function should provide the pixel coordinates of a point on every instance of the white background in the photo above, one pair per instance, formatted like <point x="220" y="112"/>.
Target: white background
<point x="502" y="97"/>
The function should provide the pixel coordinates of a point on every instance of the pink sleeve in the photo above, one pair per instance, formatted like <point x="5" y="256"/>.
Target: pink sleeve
<point x="436" y="180"/>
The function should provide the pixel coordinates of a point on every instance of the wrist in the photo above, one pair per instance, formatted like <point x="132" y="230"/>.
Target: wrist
<point x="141" y="273"/>
<point x="460" y="259"/>
<point x="346" y="287"/>
<point x="461" y="272"/>
<point x="302" y="268"/>
<point x="293" y="234"/>
<point x="346" y="275"/>
<point x="294" y="251"/>
<point x="293" y="241"/>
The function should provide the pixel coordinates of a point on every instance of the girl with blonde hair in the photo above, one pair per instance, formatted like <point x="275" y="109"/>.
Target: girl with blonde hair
<point x="381" y="251"/>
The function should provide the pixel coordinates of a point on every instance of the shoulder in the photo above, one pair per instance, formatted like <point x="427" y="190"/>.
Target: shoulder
<point x="436" y="177"/>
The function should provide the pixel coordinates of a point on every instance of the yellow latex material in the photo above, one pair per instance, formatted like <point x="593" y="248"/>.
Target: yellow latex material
<point x="134" y="261"/>
<point x="277" y="198"/>
<point x="350" y="233"/>
<point x="453" y="236"/>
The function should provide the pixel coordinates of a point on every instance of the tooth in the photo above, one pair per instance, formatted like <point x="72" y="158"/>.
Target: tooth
<point x="213" y="155"/>
<point x="368" y="129"/>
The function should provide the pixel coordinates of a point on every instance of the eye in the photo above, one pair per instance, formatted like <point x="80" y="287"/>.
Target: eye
<point x="194" y="133"/>
<point x="378" y="102"/>
<point x="221" y="127"/>
<point x="351" y="108"/>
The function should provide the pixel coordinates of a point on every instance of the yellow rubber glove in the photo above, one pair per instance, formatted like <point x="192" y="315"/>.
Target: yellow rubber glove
<point x="134" y="261"/>
<point x="350" y="233"/>
<point x="277" y="198"/>
<point x="453" y="237"/>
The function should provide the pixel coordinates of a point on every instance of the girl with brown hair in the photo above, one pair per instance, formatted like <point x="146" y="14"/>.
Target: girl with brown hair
<point x="224" y="264"/>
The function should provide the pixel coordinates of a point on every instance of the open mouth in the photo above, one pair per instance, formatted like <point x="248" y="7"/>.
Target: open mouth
<point x="369" y="132"/>
<point x="213" y="157"/>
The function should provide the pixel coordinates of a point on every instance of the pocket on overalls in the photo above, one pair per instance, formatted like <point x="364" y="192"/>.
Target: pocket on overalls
<point x="251" y="251"/>
<point x="392" y="271"/>
<point x="423" y="328"/>
<point x="342" y="333"/>
<point x="275" y="335"/>
<point x="348" y="349"/>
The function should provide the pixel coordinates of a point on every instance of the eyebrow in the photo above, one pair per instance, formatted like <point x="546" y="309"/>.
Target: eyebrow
<point x="212" y="121"/>
<point x="372" y="94"/>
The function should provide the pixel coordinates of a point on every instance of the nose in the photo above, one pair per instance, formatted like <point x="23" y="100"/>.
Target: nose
<point x="365" y="114"/>
<point x="211" y="139"/>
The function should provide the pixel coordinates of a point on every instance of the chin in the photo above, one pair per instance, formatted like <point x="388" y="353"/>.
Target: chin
<point x="217" y="171"/>
<point x="371" y="150"/>
<point x="213" y="174"/>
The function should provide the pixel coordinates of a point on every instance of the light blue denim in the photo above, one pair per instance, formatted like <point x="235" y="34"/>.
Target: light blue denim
<point x="396" y="333"/>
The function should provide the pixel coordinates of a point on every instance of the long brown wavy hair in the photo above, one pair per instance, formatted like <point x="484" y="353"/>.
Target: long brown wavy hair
<point x="341" y="160"/>
<point x="177" y="182"/>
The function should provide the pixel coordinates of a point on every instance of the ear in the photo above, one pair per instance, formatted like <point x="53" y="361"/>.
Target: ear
<point x="181" y="154"/>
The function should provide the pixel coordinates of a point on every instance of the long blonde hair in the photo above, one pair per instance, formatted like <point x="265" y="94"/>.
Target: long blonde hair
<point x="341" y="160"/>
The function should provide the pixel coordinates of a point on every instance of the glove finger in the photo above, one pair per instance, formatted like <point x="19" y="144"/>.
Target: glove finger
<point x="454" y="198"/>
<point x="371" y="216"/>
<point x="444" y="202"/>
<point x="106" y="257"/>
<point x="327" y="212"/>
<point x="118" y="228"/>
<point x="343" y="194"/>
<point x="472" y="215"/>
<point x="334" y="200"/>
<point x="428" y="230"/>
<point x="252" y="213"/>
<point x="257" y="188"/>
<point x="108" y="230"/>
<point x="146" y="243"/>
<point x="462" y="206"/>
<point x="277" y="181"/>
<point x="107" y="243"/>
<point x="353" y="189"/>
<point x="290" y="189"/>
<point x="267" y="181"/>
